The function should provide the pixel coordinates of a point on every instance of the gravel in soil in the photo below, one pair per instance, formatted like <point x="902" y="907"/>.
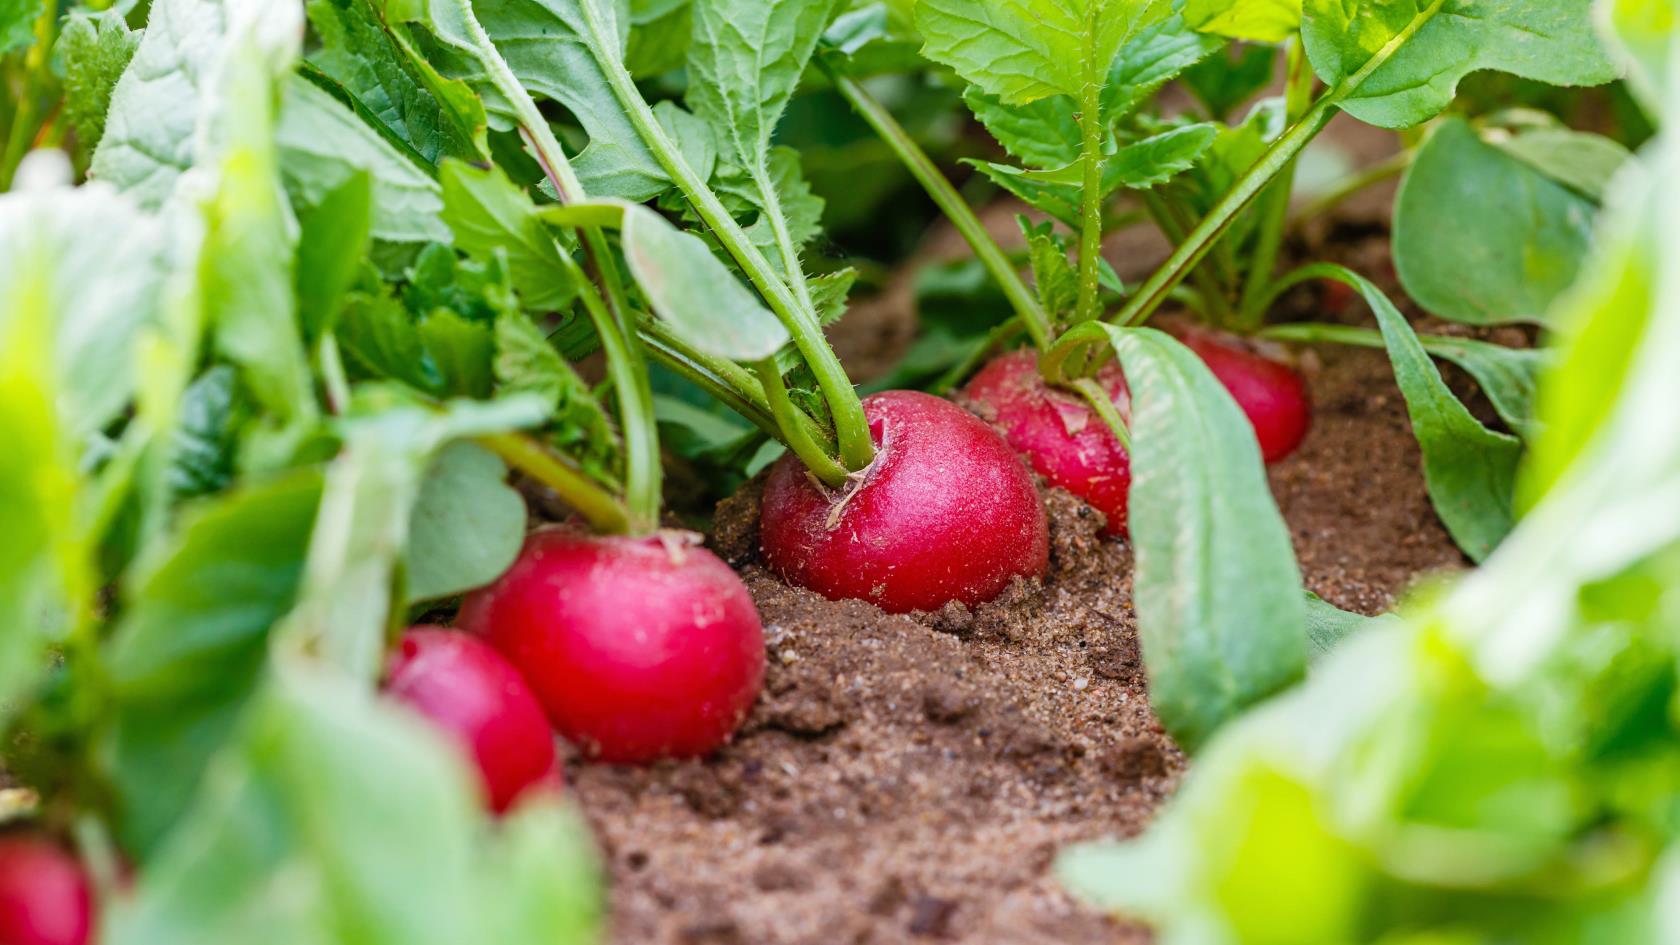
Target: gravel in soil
<point x="910" y="779"/>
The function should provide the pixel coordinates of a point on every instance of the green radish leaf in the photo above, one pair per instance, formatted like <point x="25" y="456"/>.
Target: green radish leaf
<point x="333" y="242"/>
<point x="1481" y="237"/>
<point x="193" y="641"/>
<point x="1470" y="470"/>
<point x="1257" y="21"/>
<point x="527" y="363"/>
<point x="1157" y="159"/>
<point x="799" y="209"/>
<point x="555" y="49"/>
<point x="463" y="352"/>
<point x="172" y="91"/>
<point x="660" y="33"/>
<point x="1054" y="277"/>
<point x="467" y="527"/>
<point x="1580" y="160"/>
<point x="1328" y="625"/>
<point x="323" y="144"/>
<point x="96" y="48"/>
<point x="489" y="214"/>
<point x="204" y="446"/>
<point x="1058" y="200"/>
<point x="1158" y="54"/>
<point x="435" y="117"/>
<point x="830" y="293"/>
<point x="1217" y="588"/>
<point x="695" y="293"/>
<point x="1042" y="133"/>
<point x="280" y="849"/>
<point x="1408" y="56"/>
<point x="1025" y="50"/>
<point x="1508" y="376"/>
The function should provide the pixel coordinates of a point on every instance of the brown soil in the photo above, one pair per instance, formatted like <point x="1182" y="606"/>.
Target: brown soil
<point x="911" y="780"/>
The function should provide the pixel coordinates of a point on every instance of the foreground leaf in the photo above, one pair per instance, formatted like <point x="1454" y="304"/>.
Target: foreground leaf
<point x="467" y="525"/>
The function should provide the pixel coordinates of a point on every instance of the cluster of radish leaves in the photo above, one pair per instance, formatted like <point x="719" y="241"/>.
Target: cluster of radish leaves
<point x="1492" y="224"/>
<point x="1497" y="762"/>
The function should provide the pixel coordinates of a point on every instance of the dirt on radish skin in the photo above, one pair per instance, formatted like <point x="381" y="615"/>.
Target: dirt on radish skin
<point x="909" y="779"/>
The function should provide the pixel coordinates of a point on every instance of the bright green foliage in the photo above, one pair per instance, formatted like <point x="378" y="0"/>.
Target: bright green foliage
<point x="1501" y="761"/>
<point x="527" y="363"/>
<point x="1264" y="21"/>
<point x="1407" y="56"/>
<point x="17" y="23"/>
<point x="1481" y="236"/>
<point x="96" y="49"/>
<point x="1025" y="50"/>
<point x="489" y="215"/>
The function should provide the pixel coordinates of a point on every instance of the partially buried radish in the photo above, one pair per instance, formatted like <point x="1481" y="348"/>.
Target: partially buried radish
<point x="45" y="897"/>
<point x="1272" y="393"/>
<point x="473" y="694"/>
<point x="1057" y="431"/>
<point x="946" y="512"/>
<point x="639" y="648"/>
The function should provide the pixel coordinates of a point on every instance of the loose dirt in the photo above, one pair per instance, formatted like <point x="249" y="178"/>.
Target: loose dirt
<point x="911" y="779"/>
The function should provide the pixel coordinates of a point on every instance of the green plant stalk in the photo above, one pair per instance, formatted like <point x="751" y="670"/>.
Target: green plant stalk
<point x="1104" y="406"/>
<point x="851" y="427"/>
<point x="1274" y="213"/>
<point x="599" y="507"/>
<point x="1216" y="304"/>
<point x="643" y="483"/>
<point x="1277" y="157"/>
<point x="1022" y="299"/>
<point x="1091" y="200"/>
<point x="816" y="460"/>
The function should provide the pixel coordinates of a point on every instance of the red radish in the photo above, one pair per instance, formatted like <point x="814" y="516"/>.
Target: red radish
<point x="473" y="694"/>
<point x="639" y="648"/>
<point x="946" y="512"/>
<point x="45" y="897"/>
<point x="1058" y="432"/>
<point x="1273" y="395"/>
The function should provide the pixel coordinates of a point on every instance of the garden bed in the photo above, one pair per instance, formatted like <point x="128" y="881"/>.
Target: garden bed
<point x="912" y="778"/>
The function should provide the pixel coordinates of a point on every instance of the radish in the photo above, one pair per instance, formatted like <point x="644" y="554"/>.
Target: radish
<point x="474" y="695"/>
<point x="1057" y="431"/>
<point x="639" y="648"/>
<point x="946" y="512"/>
<point x="1272" y="393"/>
<point x="45" y="897"/>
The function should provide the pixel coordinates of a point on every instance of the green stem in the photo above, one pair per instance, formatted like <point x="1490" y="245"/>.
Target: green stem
<point x="1216" y="303"/>
<point x="1274" y="205"/>
<point x="1021" y="298"/>
<point x="603" y="511"/>
<point x="831" y="473"/>
<point x="1277" y="157"/>
<point x="851" y="427"/>
<point x="1091" y="216"/>
<point x="1104" y="406"/>
<point x="726" y="381"/>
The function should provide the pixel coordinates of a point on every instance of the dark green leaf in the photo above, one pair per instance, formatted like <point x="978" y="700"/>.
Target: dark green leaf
<point x="1482" y="237"/>
<point x="462" y="352"/>
<point x="1225" y="81"/>
<point x="1469" y="469"/>
<point x="660" y="33"/>
<point x="204" y="446"/>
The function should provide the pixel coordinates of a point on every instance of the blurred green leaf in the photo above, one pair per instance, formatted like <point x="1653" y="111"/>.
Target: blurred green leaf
<point x="487" y="214"/>
<point x="1261" y="21"/>
<point x="96" y="48"/>
<point x="333" y="240"/>
<point x="467" y="526"/>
